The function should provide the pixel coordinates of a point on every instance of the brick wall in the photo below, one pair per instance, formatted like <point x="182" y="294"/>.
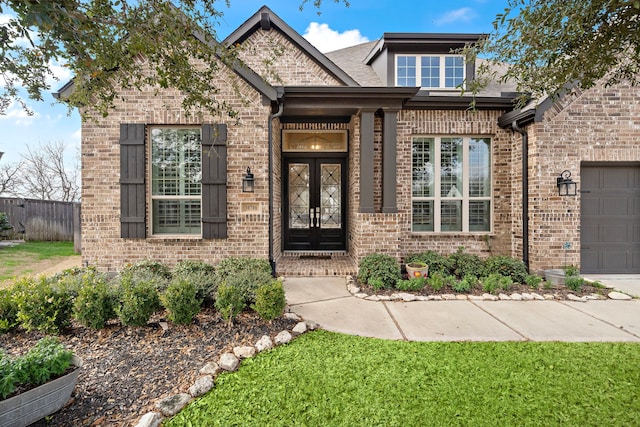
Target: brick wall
<point x="601" y="124"/>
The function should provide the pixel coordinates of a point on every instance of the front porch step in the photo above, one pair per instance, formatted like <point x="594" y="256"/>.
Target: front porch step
<point x="316" y="264"/>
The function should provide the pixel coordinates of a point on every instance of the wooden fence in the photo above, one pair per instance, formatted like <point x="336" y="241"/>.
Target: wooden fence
<point x="42" y="219"/>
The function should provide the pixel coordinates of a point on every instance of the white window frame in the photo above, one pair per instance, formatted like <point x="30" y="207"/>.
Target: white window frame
<point x="442" y="69"/>
<point x="437" y="198"/>
<point x="152" y="197"/>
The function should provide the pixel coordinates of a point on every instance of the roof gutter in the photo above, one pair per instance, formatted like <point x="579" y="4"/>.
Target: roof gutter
<point x="272" y="116"/>
<point x="525" y="191"/>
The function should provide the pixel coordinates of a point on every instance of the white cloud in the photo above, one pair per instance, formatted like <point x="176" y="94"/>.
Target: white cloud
<point x="60" y="72"/>
<point x="464" y="14"/>
<point x="326" y="40"/>
<point x="19" y="117"/>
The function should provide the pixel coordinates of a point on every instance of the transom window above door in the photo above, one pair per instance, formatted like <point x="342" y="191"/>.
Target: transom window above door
<point x="314" y="141"/>
<point x="430" y="71"/>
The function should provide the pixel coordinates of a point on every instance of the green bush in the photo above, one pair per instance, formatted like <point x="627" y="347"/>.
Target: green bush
<point x="41" y="306"/>
<point x="234" y="265"/>
<point x="436" y="281"/>
<point x="495" y="281"/>
<point x="462" y="264"/>
<point x="571" y="271"/>
<point x="201" y="274"/>
<point x="574" y="283"/>
<point x="466" y="284"/>
<point x="137" y="301"/>
<point x="413" y="284"/>
<point x="435" y="261"/>
<point x="151" y="271"/>
<point x="270" y="300"/>
<point x="46" y="360"/>
<point x="507" y="266"/>
<point x="379" y="271"/>
<point x="229" y="302"/>
<point x="248" y="282"/>
<point x="95" y="303"/>
<point x="533" y="281"/>
<point x="8" y="310"/>
<point x="181" y="301"/>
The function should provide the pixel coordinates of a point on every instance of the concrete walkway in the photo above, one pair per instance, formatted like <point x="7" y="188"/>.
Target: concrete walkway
<point x="326" y="301"/>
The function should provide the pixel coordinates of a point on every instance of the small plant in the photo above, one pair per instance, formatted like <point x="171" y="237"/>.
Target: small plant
<point x="507" y="266"/>
<point x="95" y="303"/>
<point x="234" y="265"/>
<point x="229" y="302"/>
<point x="150" y="271"/>
<point x="201" y="274"/>
<point x="574" y="283"/>
<point x="571" y="271"/>
<point x="248" y="282"/>
<point x="533" y="281"/>
<point x="181" y="301"/>
<point x="436" y="281"/>
<point x="8" y="310"/>
<point x="270" y="300"/>
<point x="137" y="301"/>
<point x="7" y="375"/>
<point x="466" y="284"/>
<point x="462" y="264"/>
<point x="492" y="283"/>
<point x="4" y="222"/>
<point x="506" y="282"/>
<point x="413" y="284"/>
<point x="42" y="306"/>
<point x="379" y="271"/>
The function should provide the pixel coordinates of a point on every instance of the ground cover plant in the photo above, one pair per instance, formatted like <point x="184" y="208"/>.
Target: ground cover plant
<point x="20" y="259"/>
<point x="329" y="379"/>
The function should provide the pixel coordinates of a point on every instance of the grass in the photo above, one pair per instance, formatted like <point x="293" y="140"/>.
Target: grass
<point x="20" y="259"/>
<point x="329" y="379"/>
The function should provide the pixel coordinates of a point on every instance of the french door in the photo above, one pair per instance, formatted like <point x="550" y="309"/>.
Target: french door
<point x="314" y="204"/>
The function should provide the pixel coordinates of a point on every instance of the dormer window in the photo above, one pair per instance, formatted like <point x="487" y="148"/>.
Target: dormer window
<point x="430" y="71"/>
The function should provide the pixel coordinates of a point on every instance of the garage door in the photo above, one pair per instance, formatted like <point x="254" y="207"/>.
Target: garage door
<point x="610" y="219"/>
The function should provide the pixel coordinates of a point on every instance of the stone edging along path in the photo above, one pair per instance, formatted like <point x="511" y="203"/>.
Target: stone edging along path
<point x="227" y="362"/>
<point x="355" y="290"/>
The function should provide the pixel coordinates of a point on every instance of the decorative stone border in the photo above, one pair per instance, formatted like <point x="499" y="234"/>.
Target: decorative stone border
<point x="515" y="296"/>
<point x="227" y="362"/>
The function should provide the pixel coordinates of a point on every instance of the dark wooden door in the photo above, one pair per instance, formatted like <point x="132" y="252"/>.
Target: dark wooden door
<point x="610" y="219"/>
<point x="314" y="204"/>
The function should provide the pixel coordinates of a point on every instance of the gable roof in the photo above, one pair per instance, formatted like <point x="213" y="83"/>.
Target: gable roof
<point x="266" y="19"/>
<point x="351" y="59"/>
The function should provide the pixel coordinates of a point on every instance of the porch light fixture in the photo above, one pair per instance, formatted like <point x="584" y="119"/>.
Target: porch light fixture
<point x="566" y="186"/>
<point x="247" y="182"/>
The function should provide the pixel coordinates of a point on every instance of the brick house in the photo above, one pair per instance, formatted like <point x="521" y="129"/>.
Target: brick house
<point x="366" y="149"/>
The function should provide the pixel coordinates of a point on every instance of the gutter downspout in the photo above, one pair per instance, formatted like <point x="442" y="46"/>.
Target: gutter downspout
<point x="272" y="116"/>
<point x="525" y="192"/>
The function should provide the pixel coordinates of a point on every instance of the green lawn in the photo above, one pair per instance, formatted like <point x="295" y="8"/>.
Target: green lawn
<point x="326" y="379"/>
<point x="22" y="259"/>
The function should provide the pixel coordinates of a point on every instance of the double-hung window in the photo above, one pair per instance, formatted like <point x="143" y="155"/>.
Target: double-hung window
<point x="451" y="184"/>
<point x="430" y="71"/>
<point x="176" y="174"/>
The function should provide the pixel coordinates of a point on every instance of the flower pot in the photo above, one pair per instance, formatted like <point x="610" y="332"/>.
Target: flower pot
<point x="37" y="403"/>
<point x="417" y="269"/>
<point x="555" y="277"/>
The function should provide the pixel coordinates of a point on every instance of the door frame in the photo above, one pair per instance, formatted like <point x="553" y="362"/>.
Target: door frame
<point x="288" y="157"/>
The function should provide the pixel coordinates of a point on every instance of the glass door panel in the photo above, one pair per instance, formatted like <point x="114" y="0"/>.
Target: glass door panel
<point x="299" y="195"/>
<point x="330" y="196"/>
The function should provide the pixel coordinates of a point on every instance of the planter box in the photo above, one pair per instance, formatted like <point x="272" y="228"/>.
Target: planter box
<point x="35" y="404"/>
<point x="555" y="277"/>
<point x="415" y="269"/>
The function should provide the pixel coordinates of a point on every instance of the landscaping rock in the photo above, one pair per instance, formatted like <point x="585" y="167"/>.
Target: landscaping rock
<point x="489" y="297"/>
<point x="211" y="368"/>
<point x="549" y="297"/>
<point x="476" y="297"/>
<point x="201" y="386"/>
<point x="150" y="419"/>
<point x="373" y="298"/>
<point x="516" y="296"/>
<point x="434" y="298"/>
<point x="292" y="316"/>
<point x="264" y="343"/>
<point x="504" y="297"/>
<point x="361" y="295"/>
<point x="244" y="351"/>
<point x="355" y="290"/>
<point x="300" y="328"/>
<point x="169" y="406"/>
<point x="572" y="297"/>
<point x="536" y="296"/>
<point x="461" y="297"/>
<point x="229" y="362"/>
<point x="311" y="325"/>
<point x="406" y="297"/>
<point x="619" y="296"/>
<point x="283" y="337"/>
<point x="384" y="298"/>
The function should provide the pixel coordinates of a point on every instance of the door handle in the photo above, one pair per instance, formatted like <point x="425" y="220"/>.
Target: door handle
<point x="314" y="217"/>
<point x="317" y="217"/>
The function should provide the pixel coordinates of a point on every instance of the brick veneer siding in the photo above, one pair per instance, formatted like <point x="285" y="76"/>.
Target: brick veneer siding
<point x="247" y="146"/>
<point x="601" y="124"/>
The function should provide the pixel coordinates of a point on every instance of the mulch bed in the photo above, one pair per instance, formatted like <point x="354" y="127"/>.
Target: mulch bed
<point x="127" y="369"/>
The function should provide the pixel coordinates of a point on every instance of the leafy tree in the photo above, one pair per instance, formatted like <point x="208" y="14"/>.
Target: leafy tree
<point x="553" y="45"/>
<point x="105" y="42"/>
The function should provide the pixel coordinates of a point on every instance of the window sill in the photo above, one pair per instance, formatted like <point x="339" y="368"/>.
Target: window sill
<point x="174" y="237"/>
<point x="452" y="233"/>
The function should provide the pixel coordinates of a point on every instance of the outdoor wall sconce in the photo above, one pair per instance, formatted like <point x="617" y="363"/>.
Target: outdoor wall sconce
<point x="247" y="182"/>
<point x="566" y="186"/>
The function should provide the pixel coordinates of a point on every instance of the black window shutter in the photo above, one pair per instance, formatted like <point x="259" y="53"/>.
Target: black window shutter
<point x="214" y="181"/>
<point x="132" y="182"/>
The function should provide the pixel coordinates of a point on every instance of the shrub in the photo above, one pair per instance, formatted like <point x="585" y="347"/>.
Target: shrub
<point x="8" y="378"/>
<point x="507" y="266"/>
<point x="574" y="283"/>
<point x="466" y="284"/>
<point x="181" y="301"/>
<point x="229" y="302"/>
<point x="436" y="281"/>
<point x="379" y="271"/>
<point x="571" y="271"/>
<point x="95" y="304"/>
<point x="42" y="306"/>
<point x="462" y="264"/>
<point x="137" y="301"/>
<point x="234" y="265"/>
<point x="533" y="281"/>
<point x="491" y="283"/>
<point x="435" y="261"/>
<point x="201" y="274"/>
<point x="4" y="222"/>
<point x="270" y="300"/>
<point x="149" y="271"/>
<point x="8" y="310"/>
<point x="248" y="282"/>
<point x="413" y="284"/>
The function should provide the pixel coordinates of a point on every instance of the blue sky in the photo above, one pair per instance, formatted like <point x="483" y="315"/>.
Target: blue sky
<point x="336" y="27"/>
